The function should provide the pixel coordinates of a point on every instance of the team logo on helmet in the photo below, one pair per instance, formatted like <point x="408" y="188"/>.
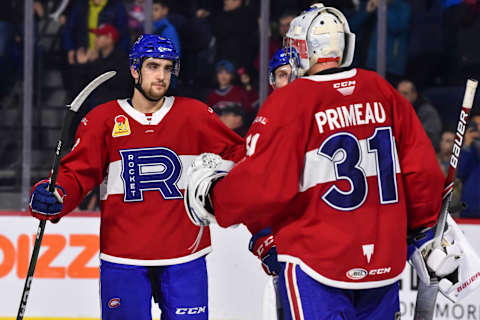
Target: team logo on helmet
<point x="121" y="128"/>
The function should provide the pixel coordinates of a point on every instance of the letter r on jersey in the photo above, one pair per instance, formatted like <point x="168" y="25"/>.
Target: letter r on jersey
<point x="150" y="169"/>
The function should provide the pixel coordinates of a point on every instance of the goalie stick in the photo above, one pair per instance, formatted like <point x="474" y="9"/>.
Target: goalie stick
<point x="67" y="122"/>
<point x="427" y="294"/>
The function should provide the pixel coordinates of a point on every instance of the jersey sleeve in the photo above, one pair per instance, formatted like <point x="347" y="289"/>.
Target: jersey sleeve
<point x="85" y="166"/>
<point x="422" y="177"/>
<point x="262" y="185"/>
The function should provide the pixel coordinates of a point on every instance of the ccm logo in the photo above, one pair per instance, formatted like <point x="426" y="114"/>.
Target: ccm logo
<point x="267" y="243"/>
<point x="194" y="310"/>
<point x="17" y="256"/>
<point x="343" y="84"/>
<point x="359" y="273"/>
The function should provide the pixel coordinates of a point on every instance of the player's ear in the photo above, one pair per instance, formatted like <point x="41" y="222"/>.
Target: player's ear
<point x="134" y="73"/>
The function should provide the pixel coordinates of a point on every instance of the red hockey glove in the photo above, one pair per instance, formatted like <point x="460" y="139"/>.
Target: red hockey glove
<point x="263" y="246"/>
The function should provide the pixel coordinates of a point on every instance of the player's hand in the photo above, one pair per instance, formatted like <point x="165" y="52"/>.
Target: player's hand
<point x="263" y="246"/>
<point x="45" y="205"/>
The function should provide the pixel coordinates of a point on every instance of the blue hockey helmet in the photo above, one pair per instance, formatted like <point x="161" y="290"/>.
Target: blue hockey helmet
<point x="283" y="57"/>
<point x="154" y="46"/>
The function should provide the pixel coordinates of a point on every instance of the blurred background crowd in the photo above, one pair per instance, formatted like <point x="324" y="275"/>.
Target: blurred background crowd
<point x="430" y="51"/>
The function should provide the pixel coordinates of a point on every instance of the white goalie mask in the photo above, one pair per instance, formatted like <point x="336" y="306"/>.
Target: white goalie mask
<point x="321" y="34"/>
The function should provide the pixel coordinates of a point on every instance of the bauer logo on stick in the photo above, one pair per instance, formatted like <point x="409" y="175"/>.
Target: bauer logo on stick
<point x="121" y="128"/>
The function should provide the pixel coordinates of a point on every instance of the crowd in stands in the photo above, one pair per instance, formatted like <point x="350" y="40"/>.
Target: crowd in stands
<point x="430" y="51"/>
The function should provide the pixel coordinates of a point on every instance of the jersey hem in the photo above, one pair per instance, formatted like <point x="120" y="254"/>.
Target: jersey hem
<point x="335" y="283"/>
<point x="159" y="262"/>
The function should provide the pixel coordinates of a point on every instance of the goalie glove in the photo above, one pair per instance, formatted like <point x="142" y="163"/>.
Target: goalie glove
<point x="204" y="172"/>
<point x="263" y="246"/>
<point x="455" y="263"/>
<point x="466" y="277"/>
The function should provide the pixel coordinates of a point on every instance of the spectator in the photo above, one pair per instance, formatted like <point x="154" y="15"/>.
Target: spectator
<point x="469" y="169"/>
<point x="86" y="15"/>
<point x="233" y="117"/>
<point x="425" y="43"/>
<point x="226" y="94"/>
<point x="10" y="16"/>
<point x="364" y="23"/>
<point x="284" y="23"/>
<point x="443" y="156"/>
<point x="162" y="26"/>
<point x="427" y="114"/>
<point x="136" y="18"/>
<point x="233" y="29"/>
<point x="252" y="93"/>
<point x="105" y="56"/>
<point x="445" y="150"/>
<point x="89" y="14"/>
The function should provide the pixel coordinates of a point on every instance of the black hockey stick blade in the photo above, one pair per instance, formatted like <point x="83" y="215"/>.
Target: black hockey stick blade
<point x="67" y="121"/>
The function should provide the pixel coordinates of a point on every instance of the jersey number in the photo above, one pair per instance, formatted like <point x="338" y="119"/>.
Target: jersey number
<point x="348" y="168"/>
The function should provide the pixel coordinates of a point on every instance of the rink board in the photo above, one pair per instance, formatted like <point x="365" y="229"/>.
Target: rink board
<point x="66" y="282"/>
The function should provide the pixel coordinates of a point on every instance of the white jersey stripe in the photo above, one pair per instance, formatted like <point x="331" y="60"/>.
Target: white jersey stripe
<point x="287" y="285"/>
<point x="319" y="169"/>
<point x="113" y="183"/>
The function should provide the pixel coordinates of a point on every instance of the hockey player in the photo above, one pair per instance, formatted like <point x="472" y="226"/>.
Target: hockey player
<point x="283" y="67"/>
<point x="340" y="168"/>
<point x="138" y="149"/>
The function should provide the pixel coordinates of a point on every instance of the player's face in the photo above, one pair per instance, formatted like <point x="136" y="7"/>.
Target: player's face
<point x="282" y="76"/>
<point x="156" y="75"/>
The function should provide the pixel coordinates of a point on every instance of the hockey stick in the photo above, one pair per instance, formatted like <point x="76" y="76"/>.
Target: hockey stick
<point x="427" y="294"/>
<point x="67" y="122"/>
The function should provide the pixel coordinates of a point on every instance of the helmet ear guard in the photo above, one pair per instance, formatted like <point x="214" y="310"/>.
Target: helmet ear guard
<point x="315" y="35"/>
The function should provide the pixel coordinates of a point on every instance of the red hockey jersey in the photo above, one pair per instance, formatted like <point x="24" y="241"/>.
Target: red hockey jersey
<point x="339" y="165"/>
<point x="141" y="163"/>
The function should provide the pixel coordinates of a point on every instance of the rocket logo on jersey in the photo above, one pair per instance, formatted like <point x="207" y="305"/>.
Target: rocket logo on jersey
<point x="121" y="128"/>
<point x="150" y="169"/>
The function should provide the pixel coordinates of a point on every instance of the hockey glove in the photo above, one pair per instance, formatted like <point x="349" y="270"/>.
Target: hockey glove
<point x="205" y="171"/>
<point x="442" y="261"/>
<point x="45" y="205"/>
<point x="263" y="246"/>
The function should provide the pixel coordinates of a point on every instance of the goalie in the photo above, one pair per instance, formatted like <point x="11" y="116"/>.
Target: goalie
<point x="340" y="168"/>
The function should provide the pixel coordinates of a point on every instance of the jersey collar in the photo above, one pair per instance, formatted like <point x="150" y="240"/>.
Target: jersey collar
<point x="320" y="77"/>
<point x="141" y="118"/>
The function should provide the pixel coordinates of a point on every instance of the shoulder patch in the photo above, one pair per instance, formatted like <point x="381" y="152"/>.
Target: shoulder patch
<point x="121" y="128"/>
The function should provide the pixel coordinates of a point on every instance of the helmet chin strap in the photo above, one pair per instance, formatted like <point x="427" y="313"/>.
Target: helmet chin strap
<point x="138" y="86"/>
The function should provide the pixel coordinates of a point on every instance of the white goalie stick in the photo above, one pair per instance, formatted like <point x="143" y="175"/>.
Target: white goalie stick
<point x="427" y="294"/>
<point x="67" y="122"/>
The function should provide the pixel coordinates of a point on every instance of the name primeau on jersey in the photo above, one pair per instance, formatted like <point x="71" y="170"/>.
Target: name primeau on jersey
<point x="352" y="115"/>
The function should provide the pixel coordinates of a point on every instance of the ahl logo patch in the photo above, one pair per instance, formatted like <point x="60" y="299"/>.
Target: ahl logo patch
<point x="113" y="303"/>
<point x="121" y="128"/>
